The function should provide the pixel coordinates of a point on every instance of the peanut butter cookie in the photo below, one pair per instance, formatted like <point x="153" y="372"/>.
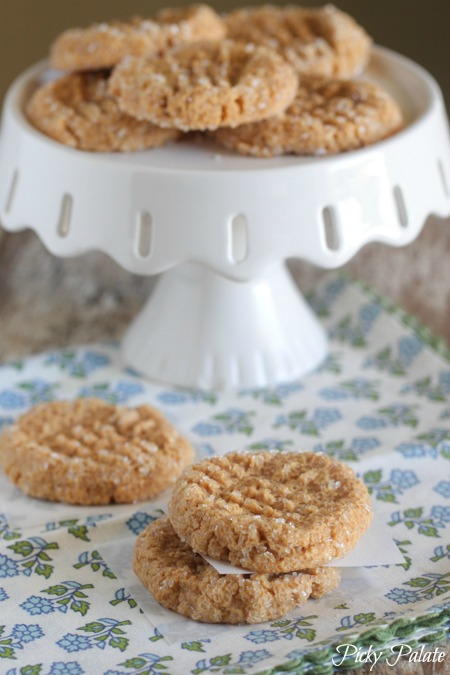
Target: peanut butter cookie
<point x="77" y="110"/>
<point x="316" y="41"/>
<point x="205" y="86"/>
<point x="326" y="116"/>
<point x="103" y="45"/>
<point x="184" y="582"/>
<point x="270" y="512"/>
<point x="89" y="452"/>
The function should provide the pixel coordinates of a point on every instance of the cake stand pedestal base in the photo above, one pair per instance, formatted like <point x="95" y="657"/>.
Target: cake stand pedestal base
<point x="199" y="329"/>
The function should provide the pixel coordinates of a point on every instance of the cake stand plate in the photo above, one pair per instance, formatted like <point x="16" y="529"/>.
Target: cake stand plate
<point x="220" y="226"/>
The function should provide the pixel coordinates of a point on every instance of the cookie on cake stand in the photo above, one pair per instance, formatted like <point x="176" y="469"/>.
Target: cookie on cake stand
<point x="219" y="226"/>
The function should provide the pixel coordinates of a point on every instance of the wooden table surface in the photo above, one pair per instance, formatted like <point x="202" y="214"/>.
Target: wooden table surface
<point x="48" y="302"/>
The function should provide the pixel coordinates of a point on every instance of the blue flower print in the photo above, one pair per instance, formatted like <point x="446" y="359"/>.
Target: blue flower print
<point x="77" y="527"/>
<point x="3" y="595"/>
<point x="184" y="396"/>
<point x="387" y="490"/>
<point x="427" y="525"/>
<point x="350" y="621"/>
<point x="224" y="663"/>
<point x="230" y="421"/>
<point x="433" y="444"/>
<point x="425" y="587"/>
<point x="285" y="629"/>
<point x="404" y="479"/>
<point x="11" y="400"/>
<point x="94" y="560"/>
<point x="331" y="364"/>
<point x="8" y="567"/>
<point x="145" y="664"/>
<point x="273" y="395"/>
<point x="262" y="635"/>
<point x="65" y="596"/>
<point x="74" y="643"/>
<point x="390" y="416"/>
<point x="443" y="488"/>
<point x="348" y="452"/>
<point x="308" y="424"/>
<point x="65" y="668"/>
<point x="35" y="605"/>
<point x="27" y="633"/>
<point x="365" y="443"/>
<point x="325" y="416"/>
<point x="249" y="658"/>
<point x="401" y="596"/>
<point x="354" y="330"/>
<point x="408" y="347"/>
<point x="122" y="595"/>
<point x="358" y="388"/>
<point x="139" y="520"/>
<point x="120" y="392"/>
<point x="440" y="552"/>
<point x="441" y="514"/>
<point x="104" y="633"/>
<point x="76" y="363"/>
<point x="20" y="635"/>
<point x="430" y="388"/>
<point x="395" y="359"/>
<point x="322" y="300"/>
<point x="33" y="556"/>
<point x="27" y="393"/>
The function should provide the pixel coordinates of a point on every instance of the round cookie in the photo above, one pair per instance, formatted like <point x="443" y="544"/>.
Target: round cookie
<point x="90" y="452"/>
<point x="205" y="86"/>
<point x="270" y="512"/>
<point x="184" y="582"/>
<point x="191" y="23"/>
<point x="77" y="110"/>
<point x="316" y="41"/>
<point x="326" y="116"/>
<point x="103" y="45"/>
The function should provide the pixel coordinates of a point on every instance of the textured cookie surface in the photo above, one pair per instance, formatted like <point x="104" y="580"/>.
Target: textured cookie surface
<point x="205" y="86"/>
<point x="326" y="116"/>
<point x="90" y="452"/>
<point x="77" y="110"/>
<point x="316" y="41"/>
<point x="184" y="582"/>
<point x="103" y="45"/>
<point x="270" y="512"/>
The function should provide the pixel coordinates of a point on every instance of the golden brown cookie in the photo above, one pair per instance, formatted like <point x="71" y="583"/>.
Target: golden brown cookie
<point x="205" y="86"/>
<point x="191" y="23"/>
<point x="77" y="110"/>
<point x="326" y="116"/>
<point x="103" y="45"/>
<point x="90" y="452"/>
<point x="270" y="512"/>
<point x="184" y="582"/>
<point x="316" y="41"/>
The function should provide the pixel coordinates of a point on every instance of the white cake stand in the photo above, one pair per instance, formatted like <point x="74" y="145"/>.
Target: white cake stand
<point x="208" y="219"/>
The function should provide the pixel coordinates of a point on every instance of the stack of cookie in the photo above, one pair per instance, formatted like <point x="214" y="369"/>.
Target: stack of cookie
<point x="262" y="81"/>
<point x="281" y="517"/>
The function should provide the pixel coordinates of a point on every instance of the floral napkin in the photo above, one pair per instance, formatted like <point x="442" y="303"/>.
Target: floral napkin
<point x="380" y="401"/>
